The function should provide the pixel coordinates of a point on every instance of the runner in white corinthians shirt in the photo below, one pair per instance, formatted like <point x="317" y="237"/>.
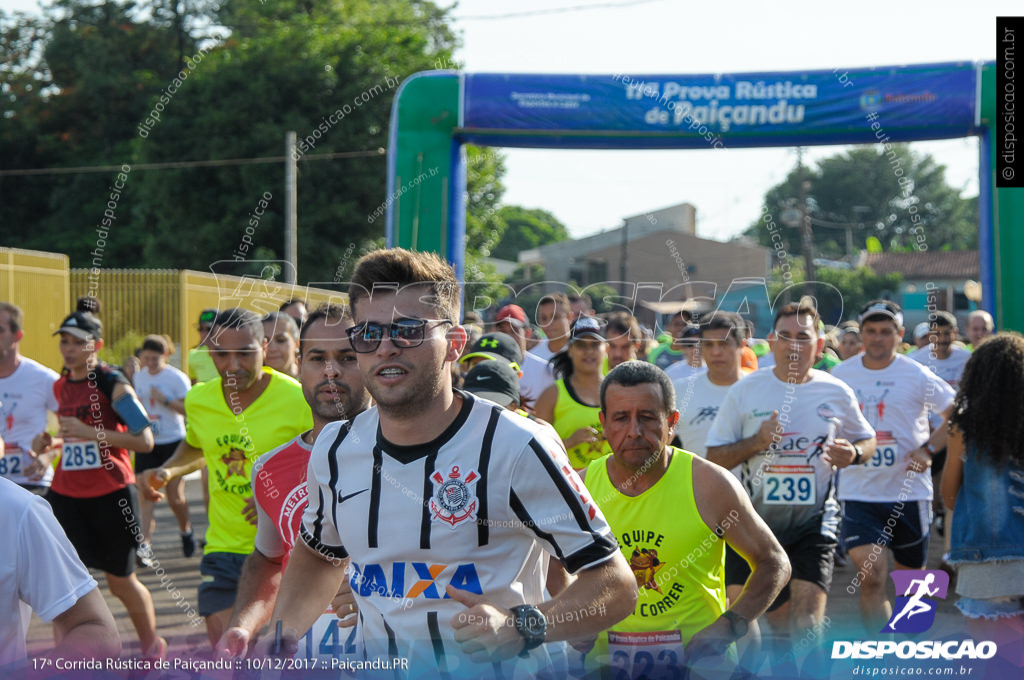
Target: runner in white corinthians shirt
<point x="26" y="399"/>
<point x="887" y="501"/>
<point x="448" y="506"/>
<point x="789" y="425"/>
<point x="333" y="387"/>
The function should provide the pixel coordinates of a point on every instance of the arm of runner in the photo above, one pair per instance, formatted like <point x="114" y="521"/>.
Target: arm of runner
<point x="309" y="583"/>
<point x="953" y="471"/>
<point x="257" y="591"/>
<point x="921" y="458"/>
<point x="186" y="459"/>
<point x="545" y="406"/>
<point x="730" y="455"/>
<point x="843" y="453"/>
<point x="600" y="597"/>
<point x="726" y="507"/>
<point x="87" y="630"/>
<point x="141" y="442"/>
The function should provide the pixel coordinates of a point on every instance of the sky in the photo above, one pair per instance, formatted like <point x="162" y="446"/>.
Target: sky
<point x="593" y="190"/>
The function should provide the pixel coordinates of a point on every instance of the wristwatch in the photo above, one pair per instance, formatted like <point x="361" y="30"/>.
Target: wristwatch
<point x="532" y="625"/>
<point x="738" y="624"/>
<point x="860" y="455"/>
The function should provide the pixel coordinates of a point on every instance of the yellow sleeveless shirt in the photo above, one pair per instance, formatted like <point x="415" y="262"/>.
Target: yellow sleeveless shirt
<point x="570" y="415"/>
<point x="678" y="562"/>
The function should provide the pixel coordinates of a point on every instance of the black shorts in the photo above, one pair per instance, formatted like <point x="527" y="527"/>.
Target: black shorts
<point x="104" y="530"/>
<point x="811" y="559"/>
<point x="160" y="454"/>
<point x="221" y="572"/>
<point x="904" y="530"/>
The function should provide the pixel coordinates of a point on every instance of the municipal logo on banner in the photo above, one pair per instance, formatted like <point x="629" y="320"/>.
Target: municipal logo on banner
<point x="916" y="595"/>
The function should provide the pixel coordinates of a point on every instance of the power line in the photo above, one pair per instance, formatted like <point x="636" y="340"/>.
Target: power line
<point x="553" y="10"/>
<point x="168" y="165"/>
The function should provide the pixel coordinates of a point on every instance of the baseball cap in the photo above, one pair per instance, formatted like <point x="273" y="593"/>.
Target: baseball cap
<point x="82" y="325"/>
<point x="493" y="380"/>
<point x="689" y="336"/>
<point x="495" y="346"/>
<point x="586" y="326"/>
<point x="921" y="330"/>
<point x="514" y="314"/>
<point x="207" y="316"/>
<point x="885" y="308"/>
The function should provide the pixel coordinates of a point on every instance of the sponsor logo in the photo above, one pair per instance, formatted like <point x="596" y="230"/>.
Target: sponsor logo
<point x="413" y="579"/>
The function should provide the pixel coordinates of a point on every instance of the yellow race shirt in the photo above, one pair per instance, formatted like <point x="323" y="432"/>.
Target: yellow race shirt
<point x="570" y="415"/>
<point x="231" y="443"/>
<point x="678" y="562"/>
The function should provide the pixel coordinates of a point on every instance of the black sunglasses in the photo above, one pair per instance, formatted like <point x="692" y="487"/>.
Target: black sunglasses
<point x="405" y="333"/>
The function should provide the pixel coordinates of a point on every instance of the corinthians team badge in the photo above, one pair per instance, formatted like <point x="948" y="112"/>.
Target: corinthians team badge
<point x="453" y="501"/>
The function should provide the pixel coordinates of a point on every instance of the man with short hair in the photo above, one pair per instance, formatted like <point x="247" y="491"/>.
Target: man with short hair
<point x="940" y="355"/>
<point x="688" y="341"/>
<point x="200" y="365"/>
<point x="27" y="402"/>
<point x="333" y="388"/>
<point x="448" y="506"/>
<point x="295" y="308"/>
<point x="669" y="508"/>
<point x="887" y="499"/>
<point x="624" y="338"/>
<point x="789" y="427"/>
<point x="536" y="373"/>
<point x="979" y="326"/>
<point x="553" y="316"/>
<point x="580" y="305"/>
<point x="670" y="351"/>
<point x="231" y="421"/>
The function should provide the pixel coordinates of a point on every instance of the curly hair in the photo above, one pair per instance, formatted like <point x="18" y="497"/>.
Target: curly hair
<point x="988" y="409"/>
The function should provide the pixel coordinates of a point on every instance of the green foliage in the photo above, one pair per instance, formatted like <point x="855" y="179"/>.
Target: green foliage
<point x="901" y="198"/>
<point x="856" y="287"/>
<point x="329" y="68"/>
<point x="528" y="228"/>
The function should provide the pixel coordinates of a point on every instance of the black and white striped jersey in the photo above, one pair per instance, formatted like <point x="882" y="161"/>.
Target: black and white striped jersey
<point x="480" y="507"/>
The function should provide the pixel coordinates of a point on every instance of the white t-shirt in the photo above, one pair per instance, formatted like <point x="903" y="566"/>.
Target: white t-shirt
<point x="39" y="569"/>
<point x="25" y="397"/>
<point x="949" y="369"/>
<point x="537" y="377"/>
<point x="168" y="425"/>
<point x="789" y="484"/>
<point x="698" y="400"/>
<point x="897" y="401"/>
<point x="681" y="370"/>
<point x="481" y="507"/>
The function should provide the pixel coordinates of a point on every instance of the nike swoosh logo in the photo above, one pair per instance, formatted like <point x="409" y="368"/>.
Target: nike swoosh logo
<point x="342" y="499"/>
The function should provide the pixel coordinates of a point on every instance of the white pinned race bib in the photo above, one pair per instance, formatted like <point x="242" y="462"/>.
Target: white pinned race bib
<point x="80" y="454"/>
<point x="789" y="485"/>
<point x="657" y="655"/>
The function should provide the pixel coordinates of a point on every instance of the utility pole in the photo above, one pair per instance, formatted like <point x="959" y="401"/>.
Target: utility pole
<point x="805" y="219"/>
<point x="291" y="245"/>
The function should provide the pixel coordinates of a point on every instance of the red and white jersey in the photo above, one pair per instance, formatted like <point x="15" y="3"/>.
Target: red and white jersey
<point x="279" y="487"/>
<point x="479" y="508"/>
<point x="897" y="401"/>
<point x="25" y="397"/>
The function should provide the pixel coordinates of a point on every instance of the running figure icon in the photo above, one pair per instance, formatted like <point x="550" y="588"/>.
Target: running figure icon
<point x="914" y="605"/>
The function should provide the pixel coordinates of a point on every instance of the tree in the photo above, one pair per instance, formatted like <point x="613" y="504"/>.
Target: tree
<point x="899" y="196"/>
<point x="844" y="291"/>
<point x="527" y="228"/>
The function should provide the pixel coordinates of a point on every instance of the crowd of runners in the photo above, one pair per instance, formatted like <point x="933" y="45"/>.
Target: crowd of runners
<point x="397" y="482"/>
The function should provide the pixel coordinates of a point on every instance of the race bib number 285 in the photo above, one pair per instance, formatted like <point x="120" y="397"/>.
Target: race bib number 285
<point x="80" y="455"/>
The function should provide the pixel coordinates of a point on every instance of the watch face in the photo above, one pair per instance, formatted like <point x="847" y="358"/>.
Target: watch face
<point x="530" y="621"/>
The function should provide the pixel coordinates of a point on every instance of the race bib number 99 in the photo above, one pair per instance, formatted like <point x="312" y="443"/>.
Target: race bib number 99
<point x="657" y="655"/>
<point x="886" y="453"/>
<point x="80" y="455"/>
<point x="789" y="485"/>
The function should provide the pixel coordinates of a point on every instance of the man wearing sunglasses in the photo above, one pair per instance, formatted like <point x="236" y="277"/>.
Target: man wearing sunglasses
<point x="449" y="507"/>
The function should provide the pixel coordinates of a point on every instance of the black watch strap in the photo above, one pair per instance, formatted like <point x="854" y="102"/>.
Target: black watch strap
<point x="532" y="625"/>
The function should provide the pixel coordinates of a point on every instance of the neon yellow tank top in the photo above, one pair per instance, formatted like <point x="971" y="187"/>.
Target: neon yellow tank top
<point x="678" y="562"/>
<point x="570" y="415"/>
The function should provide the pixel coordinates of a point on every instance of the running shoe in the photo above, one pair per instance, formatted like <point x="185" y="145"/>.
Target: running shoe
<point x="144" y="556"/>
<point x="188" y="544"/>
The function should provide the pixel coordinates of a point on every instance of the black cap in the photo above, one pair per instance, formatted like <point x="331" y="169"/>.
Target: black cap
<point x="587" y="326"/>
<point x="496" y="346"/>
<point x="690" y="336"/>
<point x="82" y="325"/>
<point x="493" y="380"/>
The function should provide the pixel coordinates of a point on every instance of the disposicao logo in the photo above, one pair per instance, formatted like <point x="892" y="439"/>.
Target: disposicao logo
<point x="914" y="611"/>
